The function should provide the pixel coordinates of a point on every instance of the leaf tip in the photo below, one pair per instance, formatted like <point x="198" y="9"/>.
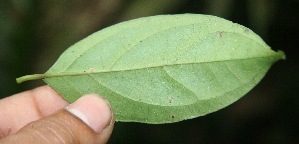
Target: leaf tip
<point x="282" y="54"/>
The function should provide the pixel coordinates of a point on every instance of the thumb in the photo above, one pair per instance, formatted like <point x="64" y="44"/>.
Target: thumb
<point x="88" y="120"/>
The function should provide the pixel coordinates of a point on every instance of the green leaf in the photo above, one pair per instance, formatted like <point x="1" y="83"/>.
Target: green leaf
<point x="163" y="69"/>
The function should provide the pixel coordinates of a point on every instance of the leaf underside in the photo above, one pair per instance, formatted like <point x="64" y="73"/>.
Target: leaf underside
<point x="166" y="68"/>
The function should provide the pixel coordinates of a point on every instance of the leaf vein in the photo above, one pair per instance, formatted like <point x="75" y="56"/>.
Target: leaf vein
<point x="178" y="82"/>
<point x="48" y="75"/>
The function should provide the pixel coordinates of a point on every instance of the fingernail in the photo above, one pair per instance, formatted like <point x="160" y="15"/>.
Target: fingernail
<point x="93" y="110"/>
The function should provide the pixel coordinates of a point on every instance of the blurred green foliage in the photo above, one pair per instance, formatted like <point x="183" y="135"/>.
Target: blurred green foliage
<point x="34" y="33"/>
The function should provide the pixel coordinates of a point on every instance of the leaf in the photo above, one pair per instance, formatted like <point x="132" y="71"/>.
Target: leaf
<point x="163" y="69"/>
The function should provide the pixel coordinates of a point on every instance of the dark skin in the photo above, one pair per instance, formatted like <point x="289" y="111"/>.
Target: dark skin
<point x="39" y="116"/>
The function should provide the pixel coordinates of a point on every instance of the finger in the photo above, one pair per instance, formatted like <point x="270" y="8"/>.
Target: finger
<point x="88" y="120"/>
<point x="18" y="110"/>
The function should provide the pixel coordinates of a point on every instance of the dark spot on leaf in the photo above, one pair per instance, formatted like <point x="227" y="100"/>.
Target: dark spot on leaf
<point x="220" y="34"/>
<point x="141" y="41"/>
<point x="172" y="116"/>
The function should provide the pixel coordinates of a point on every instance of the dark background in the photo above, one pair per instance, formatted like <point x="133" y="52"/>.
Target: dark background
<point x="34" y="33"/>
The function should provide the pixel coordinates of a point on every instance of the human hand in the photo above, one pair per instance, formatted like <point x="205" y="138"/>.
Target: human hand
<point x="43" y="116"/>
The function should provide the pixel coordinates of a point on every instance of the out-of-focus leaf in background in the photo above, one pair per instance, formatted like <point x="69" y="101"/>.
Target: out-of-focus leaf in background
<point x="142" y="8"/>
<point x="34" y="33"/>
<point x="16" y="42"/>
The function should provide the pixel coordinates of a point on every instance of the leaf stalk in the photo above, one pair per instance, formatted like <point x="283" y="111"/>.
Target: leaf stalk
<point x="30" y="77"/>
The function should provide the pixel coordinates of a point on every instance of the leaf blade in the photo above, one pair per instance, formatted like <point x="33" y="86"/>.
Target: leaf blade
<point x="164" y="69"/>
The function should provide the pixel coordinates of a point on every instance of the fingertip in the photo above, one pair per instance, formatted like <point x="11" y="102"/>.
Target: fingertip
<point x="67" y="126"/>
<point x="93" y="110"/>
